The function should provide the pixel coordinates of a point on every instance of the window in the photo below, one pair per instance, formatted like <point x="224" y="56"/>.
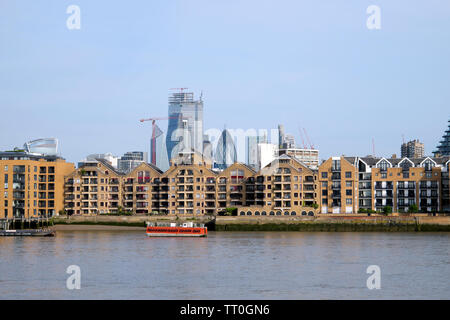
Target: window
<point x="348" y="201"/>
<point x="348" y="174"/>
<point x="348" y="184"/>
<point x="6" y="168"/>
<point x="324" y="175"/>
<point x="348" y="192"/>
<point x="325" y="184"/>
<point x="336" y="166"/>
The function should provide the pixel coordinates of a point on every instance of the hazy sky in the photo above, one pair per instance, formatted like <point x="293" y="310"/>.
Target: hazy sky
<point x="310" y="63"/>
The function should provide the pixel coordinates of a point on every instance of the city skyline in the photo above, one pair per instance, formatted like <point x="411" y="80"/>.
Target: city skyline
<point x="344" y="83"/>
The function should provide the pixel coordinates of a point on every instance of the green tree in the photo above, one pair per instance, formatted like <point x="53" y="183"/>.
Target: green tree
<point x="413" y="208"/>
<point x="387" y="210"/>
<point x="232" y="211"/>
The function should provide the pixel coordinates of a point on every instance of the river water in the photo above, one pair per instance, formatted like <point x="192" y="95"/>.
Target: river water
<point x="226" y="265"/>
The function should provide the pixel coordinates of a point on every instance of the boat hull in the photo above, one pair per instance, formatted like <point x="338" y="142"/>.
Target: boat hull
<point x="27" y="233"/>
<point x="177" y="232"/>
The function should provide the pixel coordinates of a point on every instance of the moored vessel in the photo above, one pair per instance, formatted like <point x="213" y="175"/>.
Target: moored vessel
<point x="186" y="229"/>
<point x="28" y="233"/>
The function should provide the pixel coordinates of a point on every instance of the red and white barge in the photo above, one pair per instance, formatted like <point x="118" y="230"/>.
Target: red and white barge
<point x="186" y="229"/>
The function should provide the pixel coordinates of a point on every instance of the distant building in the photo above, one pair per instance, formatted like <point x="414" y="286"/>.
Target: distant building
<point x="105" y="156"/>
<point x="131" y="160"/>
<point x="413" y="149"/>
<point x="280" y="135"/>
<point x="184" y="112"/>
<point x="443" y="149"/>
<point x="309" y="157"/>
<point x="158" y="150"/>
<point x="207" y="147"/>
<point x="225" y="151"/>
<point x="289" y="141"/>
<point x="252" y="149"/>
<point x="46" y="146"/>
<point x="267" y="153"/>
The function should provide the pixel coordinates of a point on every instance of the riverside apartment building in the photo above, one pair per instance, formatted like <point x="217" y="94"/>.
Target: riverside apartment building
<point x="191" y="186"/>
<point x="348" y="184"/>
<point x="31" y="185"/>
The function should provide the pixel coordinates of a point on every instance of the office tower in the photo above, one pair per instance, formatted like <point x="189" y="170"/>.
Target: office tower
<point x="225" y="151"/>
<point x="131" y="160"/>
<point x="267" y="152"/>
<point x="158" y="150"/>
<point x="280" y="135"/>
<point x="443" y="149"/>
<point x="289" y="141"/>
<point x="184" y="109"/>
<point x="252" y="149"/>
<point x="309" y="157"/>
<point x="412" y="149"/>
<point x="207" y="147"/>
<point x="46" y="146"/>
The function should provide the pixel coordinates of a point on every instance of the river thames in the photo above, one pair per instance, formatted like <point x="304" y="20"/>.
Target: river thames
<point x="226" y="265"/>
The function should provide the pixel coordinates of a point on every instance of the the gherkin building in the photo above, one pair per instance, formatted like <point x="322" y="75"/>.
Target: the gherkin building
<point x="225" y="151"/>
<point x="443" y="149"/>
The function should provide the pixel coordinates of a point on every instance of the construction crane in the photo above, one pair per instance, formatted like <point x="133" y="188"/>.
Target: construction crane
<point x="301" y="137"/>
<point x="307" y="138"/>
<point x="181" y="89"/>
<point x="153" y="120"/>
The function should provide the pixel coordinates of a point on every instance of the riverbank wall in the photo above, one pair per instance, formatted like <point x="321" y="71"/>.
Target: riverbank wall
<point x="327" y="223"/>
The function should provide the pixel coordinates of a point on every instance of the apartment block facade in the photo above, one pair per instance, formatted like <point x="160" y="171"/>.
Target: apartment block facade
<point x="192" y="187"/>
<point x="31" y="185"/>
<point x="350" y="183"/>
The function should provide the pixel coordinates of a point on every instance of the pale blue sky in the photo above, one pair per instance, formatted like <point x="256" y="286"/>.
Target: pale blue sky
<point x="259" y="63"/>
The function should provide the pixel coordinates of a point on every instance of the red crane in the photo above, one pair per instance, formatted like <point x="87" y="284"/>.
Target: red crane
<point x="307" y="138"/>
<point x="301" y="137"/>
<point x="181" y="89"/>
<point x="153" y="120"/>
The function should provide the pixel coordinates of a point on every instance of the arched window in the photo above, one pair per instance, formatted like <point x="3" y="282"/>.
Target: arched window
<point x="286" y="213"/>
<point x="272" y="213"/>
<point x="256" y="213"/>
<point x="406" y="164"/>
<point x="242" y="213"/>
<point x="293" y="213"/>
<point x="249" y="213"/>
<point x="428" y="165"/>
<point x="310" y="213"/>
<point x="278" y="213"/>
<point x="304" y="213"/>
<point x="383" y="165"/>
<point x="263" y="213"/>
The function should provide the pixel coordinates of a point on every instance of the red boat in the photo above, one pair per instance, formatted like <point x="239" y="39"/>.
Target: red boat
<point x="187" y="229"/>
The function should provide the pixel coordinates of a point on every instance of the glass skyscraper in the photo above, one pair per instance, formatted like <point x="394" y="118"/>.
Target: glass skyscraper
<point x="185" y="129"/>
<point x="443" y="149"/>
<point x="225" y="151"/>
<point x="252" y="149"/>
<point x="160" y="150"/>
<point x="47" y="146"/>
